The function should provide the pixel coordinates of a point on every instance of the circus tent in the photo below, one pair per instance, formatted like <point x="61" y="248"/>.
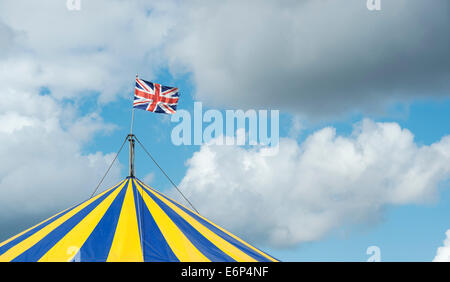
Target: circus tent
<point x="128" y="222"/>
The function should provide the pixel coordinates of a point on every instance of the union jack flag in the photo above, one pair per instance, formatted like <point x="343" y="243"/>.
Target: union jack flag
<point x="154" y="97"/>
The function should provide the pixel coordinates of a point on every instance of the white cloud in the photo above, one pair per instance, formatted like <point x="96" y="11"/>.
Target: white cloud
<point x="310" y="189"/>
<point x="148" y="178"/>
<point x="443" y="253"/>
<point x="74" y="53"/>
<point x="296" y="127"/>
<point x="43" y="168"/>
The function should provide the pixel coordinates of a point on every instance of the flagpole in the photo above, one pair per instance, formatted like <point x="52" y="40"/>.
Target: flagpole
<point x="132" y="119"/>
<point x="132" y="113"/>
<point x="131" y="172"/>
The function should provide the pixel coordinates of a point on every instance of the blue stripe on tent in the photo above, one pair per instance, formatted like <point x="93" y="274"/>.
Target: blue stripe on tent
<point x="219" y="232"/>
<point x="98" y="244"/>
<point x="29" y="233"/>
<point x="155" y="247"/>
<point x="205" y="246"/>
<point x="41" y="247"/>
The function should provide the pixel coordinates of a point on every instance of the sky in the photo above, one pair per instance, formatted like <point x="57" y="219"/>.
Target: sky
<point x="363" y="98"/>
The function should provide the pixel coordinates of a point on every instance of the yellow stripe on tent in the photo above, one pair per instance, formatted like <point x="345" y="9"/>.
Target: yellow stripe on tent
<point x="183" y="249"/>
<point x="215" y="225"/>
<point x="68" y="246"/>
<point x="126" y="245"/>
<point x="222" y="244"/>
<point x="33" y="239"/>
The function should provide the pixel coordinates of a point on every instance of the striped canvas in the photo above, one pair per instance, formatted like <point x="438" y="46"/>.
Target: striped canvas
<point x="128" y="222"/>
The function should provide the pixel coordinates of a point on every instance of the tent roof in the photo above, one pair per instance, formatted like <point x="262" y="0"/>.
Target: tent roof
<point x="128" y="222"/>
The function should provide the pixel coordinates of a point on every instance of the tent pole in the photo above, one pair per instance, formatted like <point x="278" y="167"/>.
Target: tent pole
<point x="131" y="161"/>
<point x="131" y="140"/>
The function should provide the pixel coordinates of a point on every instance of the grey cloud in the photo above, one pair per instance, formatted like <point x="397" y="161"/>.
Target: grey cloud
<point x="319" y="58"/>
<point x="7" y="37"/>
<point x="78" y="53"/>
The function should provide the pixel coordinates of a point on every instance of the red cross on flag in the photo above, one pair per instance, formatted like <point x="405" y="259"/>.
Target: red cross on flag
<point x="154" y="97"/>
